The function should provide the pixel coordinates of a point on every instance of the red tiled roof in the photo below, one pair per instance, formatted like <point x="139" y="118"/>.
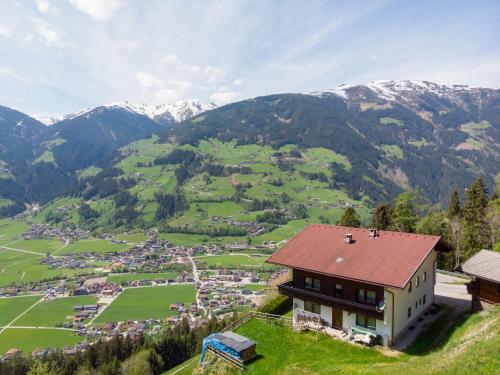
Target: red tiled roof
<point x="390" y="259"/>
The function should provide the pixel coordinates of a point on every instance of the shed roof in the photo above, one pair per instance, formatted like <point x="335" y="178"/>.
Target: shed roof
<point x="485" y="264"/>
<point x="390" y="259"/>
<point x="234" y="341"/>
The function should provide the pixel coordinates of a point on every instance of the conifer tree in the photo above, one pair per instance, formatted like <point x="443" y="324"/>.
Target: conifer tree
<point x="454" y="209"/>
<point x="474" y="234"/>
<point x="350" y="218"/>
<point x="382" y="217"/>
<point x="405" y="217"/>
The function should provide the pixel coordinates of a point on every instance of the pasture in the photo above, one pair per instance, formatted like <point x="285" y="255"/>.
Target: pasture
<point x="12" y="307"/>
<point x="127" y="277"/>
<point x="27" y="339"/>
<point x="146" y="303"/>
<point x="56" y="311"/>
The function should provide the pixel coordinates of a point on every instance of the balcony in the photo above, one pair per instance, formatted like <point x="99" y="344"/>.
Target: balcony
<point x="289" y="290"/>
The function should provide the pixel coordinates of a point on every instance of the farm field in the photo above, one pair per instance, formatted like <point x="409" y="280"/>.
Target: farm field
<point x="27" y="339"/>
<point x="118" y="278"/>
<point x="146" y="303"/>
<point x="17" y="267"/>
<point x="11" y="307"/>
<point x="232" y="260"/>
<point x="48" y="314"/>
<point x="93" y="245"/>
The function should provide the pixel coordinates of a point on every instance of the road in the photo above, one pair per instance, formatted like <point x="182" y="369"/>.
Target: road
<point x="451" y="290"/>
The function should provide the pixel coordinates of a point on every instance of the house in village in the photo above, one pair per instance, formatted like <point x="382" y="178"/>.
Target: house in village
<point x="484" y="267"/>
<point x="360" y="281"/>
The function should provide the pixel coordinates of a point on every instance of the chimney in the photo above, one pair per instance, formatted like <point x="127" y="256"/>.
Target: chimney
<point x="348" y="238"/>
<point x="373" y="233"/>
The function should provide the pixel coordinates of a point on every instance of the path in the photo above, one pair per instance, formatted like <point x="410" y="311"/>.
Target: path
<point x="451" y="290"/>
<point x="196" y="277"/>
<point x="111" y="299"/>
<point x="22" y="251"/>
<point x="28" y="309"/>
<point x="66" y="243"/>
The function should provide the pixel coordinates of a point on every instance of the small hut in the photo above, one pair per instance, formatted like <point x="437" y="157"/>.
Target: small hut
<point x="230" y="346"/>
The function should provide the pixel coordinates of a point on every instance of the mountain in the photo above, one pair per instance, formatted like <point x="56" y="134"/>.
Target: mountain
<point x="165" y="114"/>
<point x="39" y="162"/>
<point x="396" y="134"/>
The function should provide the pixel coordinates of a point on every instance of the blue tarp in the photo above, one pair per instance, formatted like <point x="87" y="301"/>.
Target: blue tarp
<point x="214" y="342"/>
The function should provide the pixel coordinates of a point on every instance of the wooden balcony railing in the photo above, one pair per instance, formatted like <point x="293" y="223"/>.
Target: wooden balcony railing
<point x="292" y="291"/>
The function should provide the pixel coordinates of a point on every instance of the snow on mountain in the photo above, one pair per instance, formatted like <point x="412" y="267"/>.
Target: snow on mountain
<point x="163" y="113"/>
<point x="47" y="119"/>
<point x="396" y="91"/>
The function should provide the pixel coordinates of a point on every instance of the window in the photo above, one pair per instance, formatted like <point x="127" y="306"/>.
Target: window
<point x="409" y="289"/>
<point x="420" y="301"/>
<point x="312" y="307"/>
<point x="371" y="297"/>
<point x="423" y="299"/>
<point x="361" y="295"/>
<point x="367" y="296"/>
<point x="409" y="311"/>
<point x="417" y="282"/>
<point x="424" y="276"/>
<point x="416" y="305"/>
<point x="365" y="321"/>
<point x="312" y="283"/>
<point x="309" y="282"/>
<point x="339" y="292"/>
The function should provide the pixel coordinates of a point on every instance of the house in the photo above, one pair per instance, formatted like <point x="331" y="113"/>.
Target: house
<point x="358" y="280"/>
<point x="484" y="267"/>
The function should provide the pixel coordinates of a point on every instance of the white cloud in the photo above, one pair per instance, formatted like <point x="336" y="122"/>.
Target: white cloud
<point x="167" y="95"/>
<point x="101" y="10"/>
<point x="4" y="31"/>
<point x="170" y="59"/>
<point x="43" y="6"/>
<point x="12" y="73"/>
<point x="181" y="84"/>
<point x="223" y="97"/>
<point x="148" y="81"/>
<point x="238" y="81"/>
<point x="48" y="33"/>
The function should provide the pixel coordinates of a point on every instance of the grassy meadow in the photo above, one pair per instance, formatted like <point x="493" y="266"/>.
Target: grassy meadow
<point x="146" y="303"/>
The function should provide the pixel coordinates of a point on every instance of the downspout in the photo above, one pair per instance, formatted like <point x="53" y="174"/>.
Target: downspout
<point x="392" y="318"/>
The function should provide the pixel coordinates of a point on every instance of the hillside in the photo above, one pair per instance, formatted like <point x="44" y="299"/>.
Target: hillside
<point x="393" y="136"/>
<point x="396" y="135"/>
<point x="226" y="188"/>
<point x="467" y="345"/>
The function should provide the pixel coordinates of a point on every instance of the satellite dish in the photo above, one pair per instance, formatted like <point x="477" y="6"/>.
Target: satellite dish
<point x="381" y="305"/>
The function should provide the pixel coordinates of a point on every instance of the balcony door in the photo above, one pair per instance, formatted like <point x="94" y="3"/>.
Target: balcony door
<point x="336" y="318"/>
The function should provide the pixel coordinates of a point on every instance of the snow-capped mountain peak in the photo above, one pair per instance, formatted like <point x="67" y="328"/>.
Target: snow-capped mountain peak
<point x="162" y="113"/>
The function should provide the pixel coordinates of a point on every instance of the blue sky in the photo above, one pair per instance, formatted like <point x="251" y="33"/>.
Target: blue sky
<point x="57" y="56"/>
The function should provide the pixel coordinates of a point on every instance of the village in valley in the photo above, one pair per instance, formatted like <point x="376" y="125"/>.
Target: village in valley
<point x="204" y="277"/>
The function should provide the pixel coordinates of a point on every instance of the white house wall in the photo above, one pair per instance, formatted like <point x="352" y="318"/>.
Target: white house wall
<point x="404" y="299"/>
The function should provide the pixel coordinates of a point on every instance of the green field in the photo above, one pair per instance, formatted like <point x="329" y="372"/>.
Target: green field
<point x="232" y="260"/>
<point x="142" y="276"/>
<point x="59" y="310"/>
<point x="93" y="245"/>
<point x="453" y="344"/>
<point x="17" y="267"/>
<point x="146" y="303"/>
<point x="11" y="307"/>
<point x="27" y="339"/>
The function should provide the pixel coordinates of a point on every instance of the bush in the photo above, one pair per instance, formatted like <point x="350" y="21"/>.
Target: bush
<point x="278" y="306"/>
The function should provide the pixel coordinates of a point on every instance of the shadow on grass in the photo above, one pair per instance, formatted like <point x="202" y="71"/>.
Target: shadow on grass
<point x="438" y="333"/>
<point x="257" y="358"/>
